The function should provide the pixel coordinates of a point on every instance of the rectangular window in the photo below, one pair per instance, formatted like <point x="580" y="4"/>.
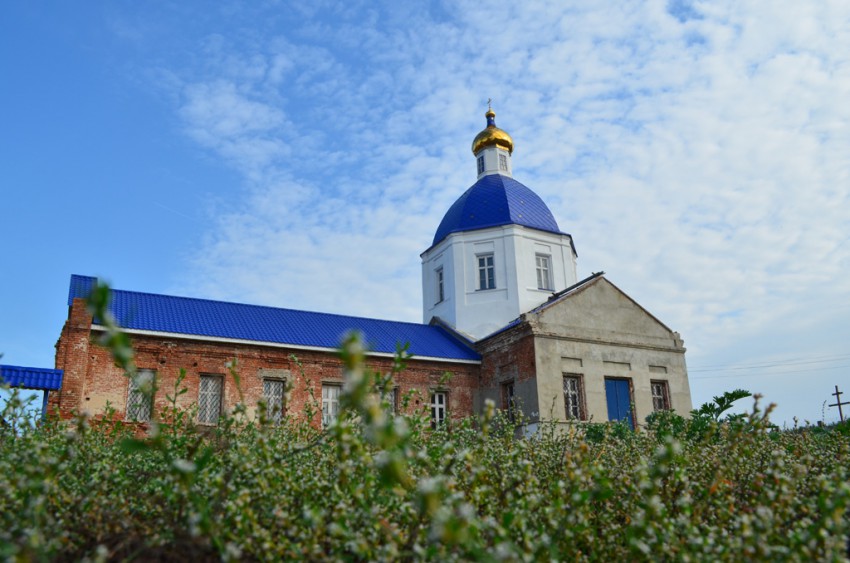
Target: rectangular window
<point x="480" y="164"/>
<point x="503" y="162"/>
<point x="486" y="272"/>
<point x="508" y="400"/>
<point x="440" y="288"/>
<point x="438" y="408"/>
<point x="660" y="396"/>
<point x="330" y="404"/>
<point x="209" y="399"/>
<point x="274" y="395"/>
<point x="544" y="275"/>
<point x="391" y="398"/>
<point x="140" y="396"/>
<point x="574" y="397"/>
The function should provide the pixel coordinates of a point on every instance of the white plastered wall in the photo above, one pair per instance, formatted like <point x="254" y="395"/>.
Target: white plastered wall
<point x="479" y="312"/>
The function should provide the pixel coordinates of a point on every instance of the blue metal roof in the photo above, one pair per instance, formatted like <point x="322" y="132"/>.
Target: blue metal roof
<point x="31" y="378"/>
<point x="496" y="200"/>
<point x="206" y="318"/>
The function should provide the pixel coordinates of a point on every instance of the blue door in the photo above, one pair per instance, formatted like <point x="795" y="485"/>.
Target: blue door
<point x="619" y="400"/>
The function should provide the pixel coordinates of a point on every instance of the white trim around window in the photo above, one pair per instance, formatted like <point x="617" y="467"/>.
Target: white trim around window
<point x="439" y="408"/>
<point x="486" y="271"/>
<point x="543" y="264"/>
<point x="330" y="403"/>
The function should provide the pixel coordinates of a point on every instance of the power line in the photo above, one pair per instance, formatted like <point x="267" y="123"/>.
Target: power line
<point x="771" y="364"/>
<point x="793" y="372"/>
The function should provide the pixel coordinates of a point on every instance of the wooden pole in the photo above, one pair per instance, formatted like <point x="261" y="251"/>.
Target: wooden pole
<point x="838" y="403"/>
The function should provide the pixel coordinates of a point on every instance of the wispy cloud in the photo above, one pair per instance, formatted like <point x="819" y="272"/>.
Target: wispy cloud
<point x="698" y="152"/>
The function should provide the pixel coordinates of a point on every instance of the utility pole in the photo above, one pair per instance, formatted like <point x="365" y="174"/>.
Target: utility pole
<point x="838" y="403"/>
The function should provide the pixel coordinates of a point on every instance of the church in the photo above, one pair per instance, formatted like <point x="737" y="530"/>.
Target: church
<point x="505" y="318"/>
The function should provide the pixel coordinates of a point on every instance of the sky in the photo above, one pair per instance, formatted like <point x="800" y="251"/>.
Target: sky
<point x="302" y="154"/>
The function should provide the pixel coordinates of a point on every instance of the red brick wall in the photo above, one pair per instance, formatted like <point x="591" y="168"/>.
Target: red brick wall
<point x="509" y="355"/>
<point x="72" y="356"/>
<point x="91" y="378"/>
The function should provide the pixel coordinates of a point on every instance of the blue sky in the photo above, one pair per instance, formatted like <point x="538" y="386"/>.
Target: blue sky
<point x="302" y="155"/>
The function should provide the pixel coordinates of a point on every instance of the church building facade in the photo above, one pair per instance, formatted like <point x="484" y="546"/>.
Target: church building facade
<point x="505" y="318"/>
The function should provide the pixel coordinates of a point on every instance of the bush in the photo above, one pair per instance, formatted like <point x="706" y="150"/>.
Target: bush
<point x="376" y="487"/>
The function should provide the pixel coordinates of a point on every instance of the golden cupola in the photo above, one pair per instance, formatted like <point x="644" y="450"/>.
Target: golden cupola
<point x="492" y="136"/>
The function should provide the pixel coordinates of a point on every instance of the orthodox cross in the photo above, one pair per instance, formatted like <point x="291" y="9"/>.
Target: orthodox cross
<point x="838" y="403"/>
<point x="489" y="106"/>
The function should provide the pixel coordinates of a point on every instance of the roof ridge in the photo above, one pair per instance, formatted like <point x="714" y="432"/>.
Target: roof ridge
<point x="576" y="285"/>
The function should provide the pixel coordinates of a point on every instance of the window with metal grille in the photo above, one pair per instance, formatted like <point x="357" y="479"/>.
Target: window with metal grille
<point x="574" y="397"/>
<point x="486" y="272"/>
<point x="660" y="396"/>
<point x="503" y="162"/>
<point x="544" y="275"/>
<point x="508" y="400"/>
<point x="330" y="404"/>
<point x="209" y="399"/>
<point x="140" y="396"/>
<point x="438" y="408"/>
<point x="273" y="393"/>
<point x="441" y="294"/>
<point x="480" y="164"/>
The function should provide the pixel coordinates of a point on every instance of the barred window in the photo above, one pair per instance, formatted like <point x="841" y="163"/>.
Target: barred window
<point x="438" y="408"/>
<point x="209" y="399"/>
<point x="330" y="404"/>
<point x="574" y="397"/>
<point x="503" y="162"/>
<point x="660" y="396"/>
<point x="140" y="396"/>
<point x="508" y="400"/>
<point x="480" y="164"/>
<point x="273" y="393"/>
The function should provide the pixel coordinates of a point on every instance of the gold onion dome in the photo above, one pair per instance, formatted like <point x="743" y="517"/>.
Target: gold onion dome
<point x="492" y="135"/>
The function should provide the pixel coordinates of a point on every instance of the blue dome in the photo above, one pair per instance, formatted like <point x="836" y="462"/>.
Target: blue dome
<point x="496" y="200"/>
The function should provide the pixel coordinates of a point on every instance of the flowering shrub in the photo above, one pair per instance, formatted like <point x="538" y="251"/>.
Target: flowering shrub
<point x="373" y="486"/>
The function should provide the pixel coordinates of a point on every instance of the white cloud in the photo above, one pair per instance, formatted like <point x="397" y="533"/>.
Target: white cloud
<point x="700" y="157"/>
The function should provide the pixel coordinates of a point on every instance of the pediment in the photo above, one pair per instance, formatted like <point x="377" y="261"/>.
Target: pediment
<point x="599" y="310"/>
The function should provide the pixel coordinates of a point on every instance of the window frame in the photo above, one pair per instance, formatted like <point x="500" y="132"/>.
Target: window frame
<point x="480" y="161"/>
<point x="327" y="417"/>
<point x="580" y="403"/>
<point x="543" y="271"/>
<point x="441" y="290"/>
<point x="503" y="162"/>
<point x="508" y="396"/>
<point x="133" y="389"/>
<point x="392" y="400"/>
<point x="664" y="397"/>
<point x="439" y="412"/>
<point x="486" y="272"/>
<point x="275" y="416"/>
<point x="204" y="417"/>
